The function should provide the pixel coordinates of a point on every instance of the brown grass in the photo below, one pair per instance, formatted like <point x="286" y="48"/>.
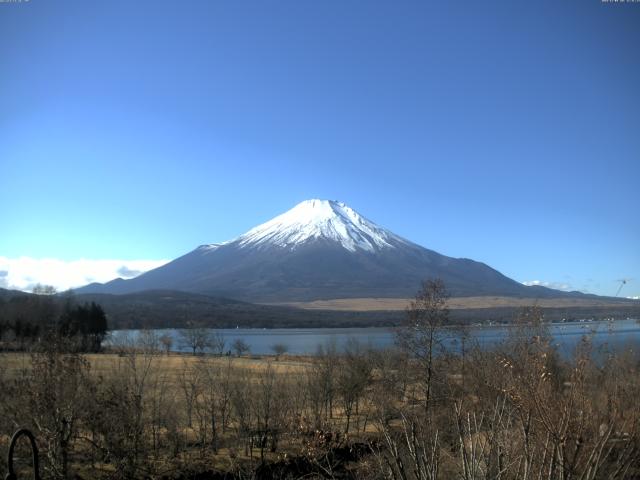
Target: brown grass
<point x="456" y="303"/>
<point x="171" y="365"/>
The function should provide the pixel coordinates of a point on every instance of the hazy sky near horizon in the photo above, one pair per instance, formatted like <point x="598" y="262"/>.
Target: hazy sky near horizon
<point x="507" y="132"/>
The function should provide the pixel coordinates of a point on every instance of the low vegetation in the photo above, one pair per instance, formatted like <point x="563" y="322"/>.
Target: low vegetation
<point x="518" y="411"/>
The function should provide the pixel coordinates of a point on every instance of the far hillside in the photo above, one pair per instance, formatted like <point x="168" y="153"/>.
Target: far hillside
<point x="174" y="309"/>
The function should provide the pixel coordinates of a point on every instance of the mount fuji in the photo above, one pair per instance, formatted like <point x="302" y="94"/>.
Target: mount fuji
<point x="319" y="250"/>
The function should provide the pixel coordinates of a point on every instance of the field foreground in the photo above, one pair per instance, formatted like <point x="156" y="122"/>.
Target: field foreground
<point x="516" y="412"/>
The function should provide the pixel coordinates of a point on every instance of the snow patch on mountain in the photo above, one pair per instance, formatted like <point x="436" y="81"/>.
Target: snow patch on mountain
<point x="210" y="247"/>
<point x="321" y="219"/>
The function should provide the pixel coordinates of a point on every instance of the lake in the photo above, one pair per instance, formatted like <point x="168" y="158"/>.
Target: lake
<point x="615" y="335"/>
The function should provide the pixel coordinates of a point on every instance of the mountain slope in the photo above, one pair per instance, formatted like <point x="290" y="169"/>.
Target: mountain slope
<point x="319" y="250"/>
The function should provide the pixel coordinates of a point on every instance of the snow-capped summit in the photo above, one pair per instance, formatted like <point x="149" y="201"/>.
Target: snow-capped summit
<point x="320" y="219"/>
<point x="319" y="249"/>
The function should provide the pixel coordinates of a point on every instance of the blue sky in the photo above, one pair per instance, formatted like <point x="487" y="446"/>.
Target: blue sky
<point x="507" y="132"/>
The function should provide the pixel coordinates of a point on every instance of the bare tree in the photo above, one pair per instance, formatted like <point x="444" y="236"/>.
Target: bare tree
<point x="148" y="341"/>
<point x="58" y="389"/>
<point x="279" y="349"/>
<point x="162" y="410"/>
<point x="216" y="392"/>
<point x="354" y="376"/>
<point x="166" y="341"/>
<point x="420" y="335"/>
<point x="197" y="339"/>
<point x="322" y="382"/>
<point x="40" y="289"/>
<point x="190" y="384"/>
<point x="240" y="347"/>
<point x="270" y="408"/>
<point x="241" y="396"/>
<point x="121" y="342"/>
<point x="217" y="343"/>
<point x="118" y="413"/>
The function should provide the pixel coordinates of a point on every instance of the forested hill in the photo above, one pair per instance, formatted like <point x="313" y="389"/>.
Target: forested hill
<point x="173" y="309"/>
<point x="161" y="309"/>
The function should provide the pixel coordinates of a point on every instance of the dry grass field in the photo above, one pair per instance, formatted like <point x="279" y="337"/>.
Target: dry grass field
<point x="455" y="303"/>
<point x="178" y="384"/>
<point x="171" y="366"/>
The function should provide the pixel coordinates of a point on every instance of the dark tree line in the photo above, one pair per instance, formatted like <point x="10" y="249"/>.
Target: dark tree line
<point x="87" y="322"/>
<point x="27" y="319"/>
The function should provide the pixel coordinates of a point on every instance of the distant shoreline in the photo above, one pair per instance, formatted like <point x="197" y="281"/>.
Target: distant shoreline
<point x="392" y="328"/>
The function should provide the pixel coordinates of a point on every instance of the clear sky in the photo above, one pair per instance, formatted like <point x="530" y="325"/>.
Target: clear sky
<point x="503" y="131"/>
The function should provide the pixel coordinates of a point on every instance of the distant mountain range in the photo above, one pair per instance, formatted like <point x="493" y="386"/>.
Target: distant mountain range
<point x="320" y="250"/>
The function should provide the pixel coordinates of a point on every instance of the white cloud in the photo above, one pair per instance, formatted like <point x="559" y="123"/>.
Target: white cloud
<point x="555" y="285"/>
<point x="24" y="272"/>
<point x="636" y="297"/>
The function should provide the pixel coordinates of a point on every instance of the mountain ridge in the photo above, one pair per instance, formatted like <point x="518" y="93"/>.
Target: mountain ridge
<point x="318" y="250"/>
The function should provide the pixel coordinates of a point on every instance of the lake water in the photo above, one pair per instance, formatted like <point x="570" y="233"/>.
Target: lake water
<point x="614" y="335"/>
